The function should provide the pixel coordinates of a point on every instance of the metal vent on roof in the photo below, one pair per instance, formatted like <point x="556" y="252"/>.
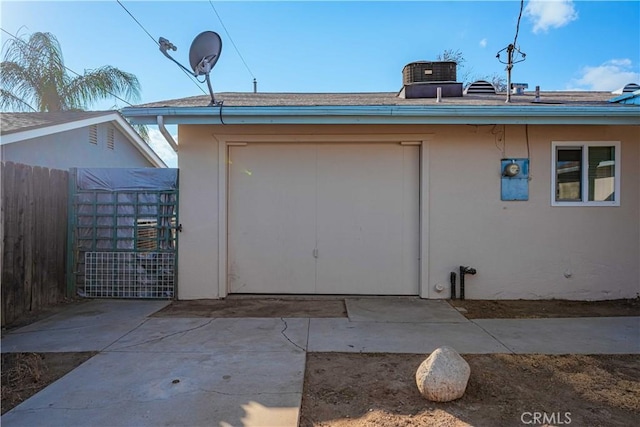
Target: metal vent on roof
<point x="480" y="86"/>
<point x="110" y="138"/>
<point x="630" y="88"/>
<point x="93" y="134"/>
<point x="424" y="71"/>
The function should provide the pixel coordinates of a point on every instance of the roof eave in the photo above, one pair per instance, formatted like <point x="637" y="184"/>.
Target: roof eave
<point x="110" y="116"/>
<point x="389" y="114"/>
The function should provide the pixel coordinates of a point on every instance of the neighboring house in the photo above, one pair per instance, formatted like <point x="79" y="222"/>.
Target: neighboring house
<point x="85" y="139"/>
<point x="371" y="193"/>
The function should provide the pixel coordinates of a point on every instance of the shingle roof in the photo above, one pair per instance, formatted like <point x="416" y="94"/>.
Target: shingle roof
<point x="20" y="122"/>
<point x="248" y="99"/>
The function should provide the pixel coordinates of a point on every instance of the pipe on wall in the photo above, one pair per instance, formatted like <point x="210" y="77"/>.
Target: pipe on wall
<point x="464" y="270"/>
<point x="452" y="279"/>
<point x="163" y="130"/>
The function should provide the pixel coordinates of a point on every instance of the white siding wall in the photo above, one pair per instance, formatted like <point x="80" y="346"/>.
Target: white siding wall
<point x="72" y="148"/>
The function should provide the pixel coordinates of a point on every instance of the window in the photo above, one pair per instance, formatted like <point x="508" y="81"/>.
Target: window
<point x="585" y="173"/>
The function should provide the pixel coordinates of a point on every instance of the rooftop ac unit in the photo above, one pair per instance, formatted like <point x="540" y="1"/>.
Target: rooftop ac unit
<point x="425" y="71"/>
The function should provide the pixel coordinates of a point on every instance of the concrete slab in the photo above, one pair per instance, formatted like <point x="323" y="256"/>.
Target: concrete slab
<point x="340" y="335"/>
<point x="402" y="310"/>
<point x="207" y="335"/>
<point x="87" y="327"/>
<point x="223" y="388"/>
<point x="602" y="335"/>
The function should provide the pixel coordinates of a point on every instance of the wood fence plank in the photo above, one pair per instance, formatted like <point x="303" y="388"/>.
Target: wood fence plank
<point x="34" y="221"/>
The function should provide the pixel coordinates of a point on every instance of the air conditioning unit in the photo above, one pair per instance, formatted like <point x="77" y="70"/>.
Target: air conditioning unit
<point x="425" y="71"/>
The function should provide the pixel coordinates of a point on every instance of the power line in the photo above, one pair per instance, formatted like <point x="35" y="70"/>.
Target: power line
<point x="138" y="22"/>
<point x="515" y="39"/>
<point x="512" y="51"/>
<point x="158" y="44"/>
<point x="64" y="66"/>
<point x="231" y="39"/>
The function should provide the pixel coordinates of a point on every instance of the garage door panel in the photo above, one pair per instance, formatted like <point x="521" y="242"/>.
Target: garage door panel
<point x="271" y="241"/>
<point x="357" y="204"/>
<point x="362" y="220"/>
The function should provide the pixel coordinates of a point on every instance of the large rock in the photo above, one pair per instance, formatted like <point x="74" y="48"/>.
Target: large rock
<point x="443" y="376"/>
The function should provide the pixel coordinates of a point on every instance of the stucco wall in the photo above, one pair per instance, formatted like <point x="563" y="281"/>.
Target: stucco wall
<point x="520" y="249"/>
<point x="198" y="241"/>
<point x="526" y="249"/>
<point x="72" y="148"/>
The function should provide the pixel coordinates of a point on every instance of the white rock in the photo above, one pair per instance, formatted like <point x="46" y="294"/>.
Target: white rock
<point x="443" y="376"/>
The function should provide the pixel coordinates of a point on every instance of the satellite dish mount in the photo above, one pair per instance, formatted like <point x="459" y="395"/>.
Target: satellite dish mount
<point x="203" y="55"/>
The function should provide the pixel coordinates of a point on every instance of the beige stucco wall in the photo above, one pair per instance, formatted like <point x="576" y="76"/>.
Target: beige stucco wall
<point x="524" y="249"/>
<point x="198" y="242"/>
<point x="520" y="249"/>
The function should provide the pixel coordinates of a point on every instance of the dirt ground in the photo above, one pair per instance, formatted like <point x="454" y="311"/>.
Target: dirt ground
<point x="358" y="390"/>
<point x="250" y="307"/>
<point x="528" y="309"/>
<point x="25" y="374"/>
<point x="335" y="307"/>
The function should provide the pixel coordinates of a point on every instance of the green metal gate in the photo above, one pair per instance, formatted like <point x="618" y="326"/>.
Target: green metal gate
<point x="123" y="233"/>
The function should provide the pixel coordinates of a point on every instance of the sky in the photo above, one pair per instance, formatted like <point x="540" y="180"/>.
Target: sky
<point x="337" y="46"/>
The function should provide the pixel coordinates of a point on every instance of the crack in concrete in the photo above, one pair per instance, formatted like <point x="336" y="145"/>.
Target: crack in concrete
<point x="287" y="338"/>
<point x="165" y="336"/>
<point x="494" y="337"/>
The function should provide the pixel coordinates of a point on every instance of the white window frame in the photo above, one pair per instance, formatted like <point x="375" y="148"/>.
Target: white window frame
<point x="585" y="172"/>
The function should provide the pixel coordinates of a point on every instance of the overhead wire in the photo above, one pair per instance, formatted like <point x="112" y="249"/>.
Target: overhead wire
<point x="515" y="39"/>
<point x="158" y="44"/>
<point x="138" y="22"/>
<point x="64" y="66"/>
<point x="231" y="40"/>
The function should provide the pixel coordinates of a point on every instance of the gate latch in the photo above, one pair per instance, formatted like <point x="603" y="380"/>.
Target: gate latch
<point x="179" y="228"/>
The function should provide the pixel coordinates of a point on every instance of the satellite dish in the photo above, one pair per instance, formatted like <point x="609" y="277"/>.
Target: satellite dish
<point x="203" y="55"/>
<point x="204" y="52"/>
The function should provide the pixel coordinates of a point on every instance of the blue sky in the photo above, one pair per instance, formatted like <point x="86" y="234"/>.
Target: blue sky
<point x="339" y="46"/>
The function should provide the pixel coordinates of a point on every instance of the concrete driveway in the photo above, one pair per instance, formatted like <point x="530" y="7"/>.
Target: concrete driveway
<point x="154" y="371"/>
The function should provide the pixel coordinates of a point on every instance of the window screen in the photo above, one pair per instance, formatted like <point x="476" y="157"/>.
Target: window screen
<point x="601" y="174"/>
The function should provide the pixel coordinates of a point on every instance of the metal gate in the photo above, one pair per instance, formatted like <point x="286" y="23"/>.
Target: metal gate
<point x="123" y="233"/>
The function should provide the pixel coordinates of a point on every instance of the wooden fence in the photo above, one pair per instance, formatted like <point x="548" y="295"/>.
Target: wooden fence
<point x="34" y="234"/>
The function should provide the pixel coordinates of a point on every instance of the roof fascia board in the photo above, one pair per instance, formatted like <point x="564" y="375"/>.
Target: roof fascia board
<point x="57" y="128"/>
<point x="389" y="115"/>
<point x="138" y="142"/>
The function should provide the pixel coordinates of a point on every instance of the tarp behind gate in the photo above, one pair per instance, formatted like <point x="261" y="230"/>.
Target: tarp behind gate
<point x="127" y="179"/>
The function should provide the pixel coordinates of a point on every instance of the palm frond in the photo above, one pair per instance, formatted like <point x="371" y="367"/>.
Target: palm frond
<point x="143" y="131"/>
<point x="101" y="83"/>
<point x="10" y="102"/>
<point x="33" y="73"/>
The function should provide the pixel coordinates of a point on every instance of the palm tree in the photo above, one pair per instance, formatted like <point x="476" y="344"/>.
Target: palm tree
<point x="33" y="78"/>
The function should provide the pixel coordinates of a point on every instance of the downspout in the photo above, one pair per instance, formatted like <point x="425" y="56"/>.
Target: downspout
<point x="163" y="130"/>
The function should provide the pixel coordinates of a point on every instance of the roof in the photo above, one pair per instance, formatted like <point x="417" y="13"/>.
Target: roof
<point x="387" y="108"/>
<point x="19" y="122"/>
<point x="249" y="99"/>
<point x="16" y="127"/>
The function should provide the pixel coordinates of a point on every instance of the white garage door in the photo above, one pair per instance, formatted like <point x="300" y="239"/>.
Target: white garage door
<point x="324" y="219"/>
